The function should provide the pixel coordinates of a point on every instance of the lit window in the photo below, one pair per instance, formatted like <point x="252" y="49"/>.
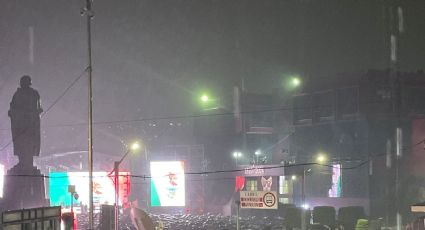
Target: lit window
<point x="251" y="185"/>
<point x="284" y="200"/>
<point x="283" y="185"/>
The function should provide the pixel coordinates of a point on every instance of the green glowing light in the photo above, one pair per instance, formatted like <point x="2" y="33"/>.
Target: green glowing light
<point x="205" y="98"/>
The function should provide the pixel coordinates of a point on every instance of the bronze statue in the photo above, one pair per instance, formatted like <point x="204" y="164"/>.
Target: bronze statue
<point x="24" y="113"/>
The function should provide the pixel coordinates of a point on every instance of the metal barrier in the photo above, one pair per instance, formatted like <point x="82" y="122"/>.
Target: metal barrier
<point x="44" y="218"/>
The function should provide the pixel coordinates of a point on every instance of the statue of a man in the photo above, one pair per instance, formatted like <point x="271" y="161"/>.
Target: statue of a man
<point x="24" y="113"/>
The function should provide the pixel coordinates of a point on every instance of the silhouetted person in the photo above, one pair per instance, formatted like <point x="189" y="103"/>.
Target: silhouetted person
<point x="24" y="113"/>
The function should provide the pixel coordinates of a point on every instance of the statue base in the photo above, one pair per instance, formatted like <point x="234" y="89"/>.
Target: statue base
<point x="23" y="188"/>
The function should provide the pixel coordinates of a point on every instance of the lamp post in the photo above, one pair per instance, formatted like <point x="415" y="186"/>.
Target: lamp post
<point x="237" y="155"/>
<point x="133" y="147"/>
<point x="303" y="188"/>
<point x="238" y="205"/>
<point x="303" y="204"/>
<point x="305" y="171"/>
<point x="257" y="154"/>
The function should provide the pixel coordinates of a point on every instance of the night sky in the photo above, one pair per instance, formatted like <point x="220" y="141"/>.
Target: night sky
<point x="152" y="58"/>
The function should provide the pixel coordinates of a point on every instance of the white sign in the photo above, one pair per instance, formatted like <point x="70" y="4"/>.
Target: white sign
<point x="254" y="171"/>
<point x="258" y="199"/>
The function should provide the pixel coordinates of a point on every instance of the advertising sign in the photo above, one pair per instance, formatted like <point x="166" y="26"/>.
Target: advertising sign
<point x="336" y="188"/>
<point x="167" y="183"/>
<point x="258" y="199"/>
<point x="103" y="188"/>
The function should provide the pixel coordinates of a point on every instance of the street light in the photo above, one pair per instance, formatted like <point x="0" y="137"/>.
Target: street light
<point x="133" y="147"/>
<point x="237" y="155"/>
<point x="321" y="158"/>
<point x="303" y="204"/>
<point x="257" y="154"/>
<point x="295" y="81"/>
<point x="305" y="171"/>
<point x="292" y="82"/>
<point x="204" y="98"/>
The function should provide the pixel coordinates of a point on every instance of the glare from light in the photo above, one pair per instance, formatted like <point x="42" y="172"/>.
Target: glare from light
<point x="135" y="146"/>
<point x="293" y="177"/>
<point x="237" y="154"/>
<point x="305" y="206"/>
<point x="258" y="152"/>
<point x="296" y="81"/>
<point x="321" y="158"/>
<point x="205" y="98"/>
<point x="292" y="82"/>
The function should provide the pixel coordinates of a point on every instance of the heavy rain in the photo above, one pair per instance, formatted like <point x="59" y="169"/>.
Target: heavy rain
<point x="212" y="114"/>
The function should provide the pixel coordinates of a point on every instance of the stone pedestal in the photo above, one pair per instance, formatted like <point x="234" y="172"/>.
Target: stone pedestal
<point x="23" y="188"/>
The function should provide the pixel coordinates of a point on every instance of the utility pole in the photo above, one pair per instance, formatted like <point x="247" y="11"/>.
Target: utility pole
<point x="117" y="196"/>
<point x="238" y="205"/>
<point x="88" y="12"/>
<point x="303" y="207"/>
<point x="396" y="29"/>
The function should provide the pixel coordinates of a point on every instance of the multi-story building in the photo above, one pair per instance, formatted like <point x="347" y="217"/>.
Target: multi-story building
<point x="349" y="121"/>
<point x="354" y="122"/>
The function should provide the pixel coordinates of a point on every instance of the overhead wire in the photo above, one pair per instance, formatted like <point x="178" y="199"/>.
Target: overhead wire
<point x="362" y="163"/>
<point x="175" y="117"/>
<point x="191" y="116"/>
<point x="188" y="116"/>
<point x="212" y="172"/>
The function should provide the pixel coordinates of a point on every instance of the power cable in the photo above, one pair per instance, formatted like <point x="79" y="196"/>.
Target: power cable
<point x="215" y="171"/>
<point x="199" y="115"/>
<point x="64" y="92"/>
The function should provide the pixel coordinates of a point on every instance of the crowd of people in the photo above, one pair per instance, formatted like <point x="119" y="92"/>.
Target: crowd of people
<point x="195" y="222"/>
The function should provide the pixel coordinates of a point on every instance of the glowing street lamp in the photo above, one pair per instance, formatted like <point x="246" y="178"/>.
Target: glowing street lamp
<point x="205" y="98"/>
<point x="321" y="158"/>
<point x="257" y="154"/>
<point x="237" y="155"/>
<point x="295" y="81"/>
<point x="133" y="147"/>
<point x="292" y="82"/>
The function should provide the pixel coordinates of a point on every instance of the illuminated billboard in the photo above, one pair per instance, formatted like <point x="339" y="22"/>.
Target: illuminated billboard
<point x="167" y="183"/>
<point x="336" y="188"/>
<point x="1" y="179"/>
<point x="103" y="188"/>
